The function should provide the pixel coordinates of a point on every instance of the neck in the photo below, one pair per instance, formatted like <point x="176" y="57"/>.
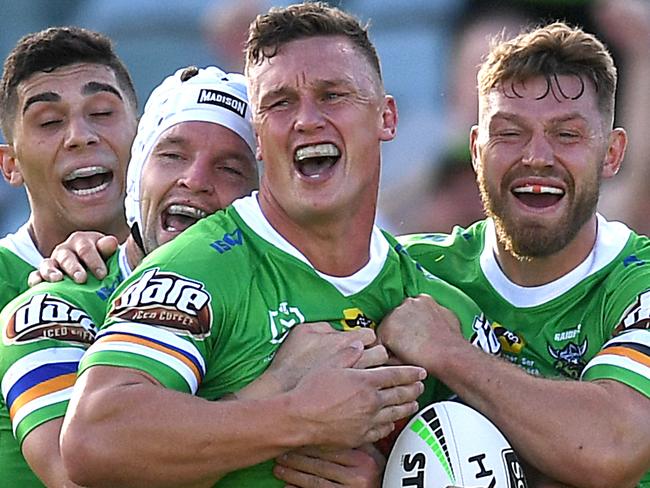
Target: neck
<point x="134" y="255"/>
<point x="337" y="245"/>
<point x="47" y="236"/>
<point x="542" y="270"/>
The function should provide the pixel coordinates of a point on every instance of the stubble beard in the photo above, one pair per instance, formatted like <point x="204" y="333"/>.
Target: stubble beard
<point x="526" y="239"/>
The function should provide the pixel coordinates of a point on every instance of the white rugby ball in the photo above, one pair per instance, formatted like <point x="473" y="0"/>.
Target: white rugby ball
<point x="451" y="444"/>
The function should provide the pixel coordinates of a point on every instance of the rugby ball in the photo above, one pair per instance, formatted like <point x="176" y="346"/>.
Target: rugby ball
<point x="451" y="444"/>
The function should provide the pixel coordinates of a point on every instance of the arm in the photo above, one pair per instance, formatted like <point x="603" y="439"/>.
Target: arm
<point x="601" y="426"/>
<point x="120" y="420"/>
<point x="80" y="251"/>
<point x="41" y="450"/>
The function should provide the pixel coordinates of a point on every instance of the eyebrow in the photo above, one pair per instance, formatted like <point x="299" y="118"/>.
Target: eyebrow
<point x="89" y="88"/>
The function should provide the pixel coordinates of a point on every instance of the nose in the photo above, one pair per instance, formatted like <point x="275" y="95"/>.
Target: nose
<point x="538" y="151"/>
<point x="309" y="116"/>
<point x="80" y="133"/>
<point x="198" y="176"/>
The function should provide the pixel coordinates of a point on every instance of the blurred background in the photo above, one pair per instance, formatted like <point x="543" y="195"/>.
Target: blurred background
<point x="429" y="50"/>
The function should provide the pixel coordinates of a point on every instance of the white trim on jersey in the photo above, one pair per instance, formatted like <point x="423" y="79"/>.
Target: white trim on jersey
<point x="21" y="245"/>
<point x="249" y="210"/>
<point x="157" y="336"/>
<point x="40" y="402"/>
<point x="622" y="362"/>
<point x="610" y="241"/>
<point x="122" y="259"/>
<point x="639" y="336"/>
<point x="36" y="359"/>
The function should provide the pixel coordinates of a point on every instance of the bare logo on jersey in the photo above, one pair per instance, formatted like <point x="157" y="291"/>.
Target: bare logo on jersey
<point x="48" y="317"/>
<point x="637" y="316"/>
<point x="511" y="342"/>
<point x="569" y="360"/>
<point x="354" y="318"/>
<point x="282" y="320"/>
<point x="484" y="336"/>
<point x="168" y="300"/>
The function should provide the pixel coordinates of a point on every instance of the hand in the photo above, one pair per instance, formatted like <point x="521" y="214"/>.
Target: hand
<point x="81" y="248"/>
<point x="307" y="347"/>
<point x="312" y="467"/>
<point x="347" y="407"/>
<point x="422" y="332"/>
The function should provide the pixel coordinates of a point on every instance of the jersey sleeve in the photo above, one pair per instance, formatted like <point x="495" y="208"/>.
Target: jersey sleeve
<point x="43" y="339"/>
<point x="161" y="320"/>
<point x="625" y="357"/>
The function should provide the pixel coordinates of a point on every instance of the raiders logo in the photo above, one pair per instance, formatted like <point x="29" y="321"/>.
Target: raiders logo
<point x="48" y="317"/>
<point x="167" y="300"/>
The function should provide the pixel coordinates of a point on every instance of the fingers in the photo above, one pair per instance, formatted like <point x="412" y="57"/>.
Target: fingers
<point x="393" y="413"/>
<point x="389" y="376"/>
<point x="345" y="357"/>
<point x="48" y="270"/>
<point x="66" y="261"/>
<point x="34" y="278"/>
<point x="371" y="357"/>
<point x="86" y="252"/>
<point x="107" y="245"/>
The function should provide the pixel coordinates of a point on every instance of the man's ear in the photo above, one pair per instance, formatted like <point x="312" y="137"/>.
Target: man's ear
<point x="615" y="152"/>
<point x="389" y="119"/>
<point x="10" y="168"/>
<point x="473" y="147"/>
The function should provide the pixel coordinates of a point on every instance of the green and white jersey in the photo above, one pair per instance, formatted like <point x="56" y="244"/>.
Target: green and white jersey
<point x="590" y="324"/>
<point x="205" y="314"/>
<point x="18" y="258"/>
<point x="45" y="331"/>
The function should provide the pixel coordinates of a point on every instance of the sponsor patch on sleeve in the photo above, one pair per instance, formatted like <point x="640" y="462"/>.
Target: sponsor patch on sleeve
<point x="637" y="316"/>
<point x="166" y="300"/>
<point x="48" y="317"/>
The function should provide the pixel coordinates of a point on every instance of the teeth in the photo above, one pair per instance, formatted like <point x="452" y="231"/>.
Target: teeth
<point x="187" y="211"/>
<point x="539" y="189"/>
<point x="90" y="191"/>
<point x="317" y="151"/>
<point x="86" y="172"/>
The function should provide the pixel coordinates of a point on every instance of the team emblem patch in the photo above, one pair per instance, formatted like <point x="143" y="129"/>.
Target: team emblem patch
<point x="48" y="317"/>
<point x="167" y="300"/>
<point x="569" y="360"/>
<point x="282" y="320"/>
<point x="353" y="318"/>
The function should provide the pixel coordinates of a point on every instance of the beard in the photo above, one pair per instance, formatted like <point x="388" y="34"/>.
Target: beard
<point x="525" y="238"/>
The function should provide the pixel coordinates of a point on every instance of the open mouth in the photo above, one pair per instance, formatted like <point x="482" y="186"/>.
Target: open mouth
<point x="317" y="160"/>
<point x="538" y="196"/>
<point x="177" y="217"/>
<point x="88" y="181"/>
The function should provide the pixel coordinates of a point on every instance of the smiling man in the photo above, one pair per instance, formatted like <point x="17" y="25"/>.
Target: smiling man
<point x="69" y="116"/>
<point x="567" y="291"/>
<point x="204" y="315"/>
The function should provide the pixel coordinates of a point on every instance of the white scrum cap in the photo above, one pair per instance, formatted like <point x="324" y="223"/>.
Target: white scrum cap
<point x="211" y="95"/>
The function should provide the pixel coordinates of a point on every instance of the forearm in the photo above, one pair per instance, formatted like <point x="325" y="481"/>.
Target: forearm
<point x="113" y="436"/>
<point x="550" y="422"/>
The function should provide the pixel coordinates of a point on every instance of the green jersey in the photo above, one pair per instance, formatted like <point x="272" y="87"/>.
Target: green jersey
<point x="205" y="314"/>
<point x="590" y="324"/>
<point x="45" y="331"/>
<point x="18" y="258"/>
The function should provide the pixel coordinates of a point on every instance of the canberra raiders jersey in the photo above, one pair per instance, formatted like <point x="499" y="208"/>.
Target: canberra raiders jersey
<point x="18" y="258"/>
<point x="205" y="314"/>
<point x="591" y="323"/>
<point x="45" y="331"/>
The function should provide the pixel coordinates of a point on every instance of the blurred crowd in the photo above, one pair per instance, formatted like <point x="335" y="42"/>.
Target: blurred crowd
<point x="430" y="50"/>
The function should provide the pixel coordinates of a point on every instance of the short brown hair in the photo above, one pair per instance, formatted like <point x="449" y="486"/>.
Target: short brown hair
<point x="54" y="48"/>
<point x="549" y="51"/>
<point x="268" y="32"/>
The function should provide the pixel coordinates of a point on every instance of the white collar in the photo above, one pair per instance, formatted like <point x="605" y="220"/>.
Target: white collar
<point x="611" y="237"/>
<point x="21" y="244"/>
<point x="249" y="210"/>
